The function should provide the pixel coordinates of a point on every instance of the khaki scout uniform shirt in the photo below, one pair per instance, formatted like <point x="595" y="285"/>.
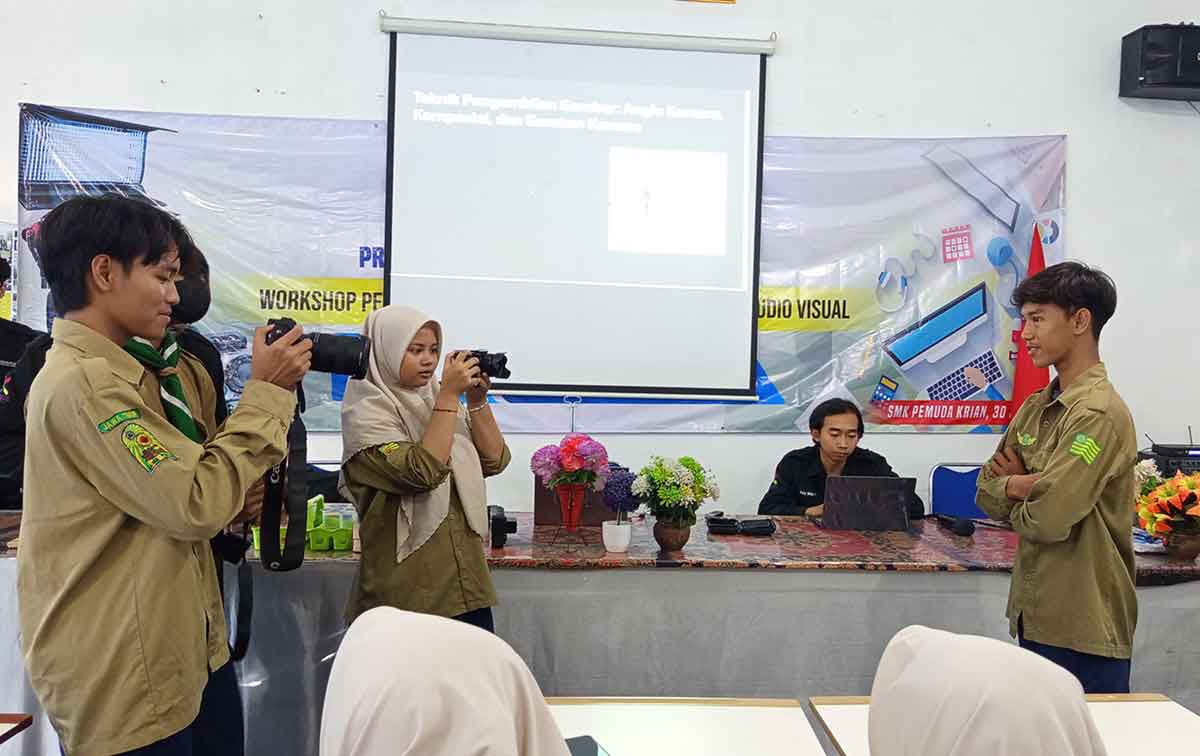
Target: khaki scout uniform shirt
<point x="1073" y="578"/>
<point x="118" y="622"/>
<point x="448" y="575"/>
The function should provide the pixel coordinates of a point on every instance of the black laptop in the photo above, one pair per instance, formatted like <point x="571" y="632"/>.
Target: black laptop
<point x="862" y="503"/>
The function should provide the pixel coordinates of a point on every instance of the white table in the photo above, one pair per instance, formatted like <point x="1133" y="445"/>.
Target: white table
<point x="1129" y="725"/>
<point x="691" y="726"/>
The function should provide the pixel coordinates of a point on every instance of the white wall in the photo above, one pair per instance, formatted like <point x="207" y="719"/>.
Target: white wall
<point x="872" y="68"/>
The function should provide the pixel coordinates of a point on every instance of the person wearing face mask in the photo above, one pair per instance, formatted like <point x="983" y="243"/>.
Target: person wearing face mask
<point x="414" y="462"/>
<point x="799" y="485"/>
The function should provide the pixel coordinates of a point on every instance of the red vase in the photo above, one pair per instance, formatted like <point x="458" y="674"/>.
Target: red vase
<point x="570" y="503"/>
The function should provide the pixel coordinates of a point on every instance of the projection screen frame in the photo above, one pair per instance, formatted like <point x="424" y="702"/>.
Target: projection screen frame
<point x="394" y="26"/>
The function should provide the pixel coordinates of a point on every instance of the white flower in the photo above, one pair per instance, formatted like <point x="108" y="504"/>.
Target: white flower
<point x="1144" y="471"/>
<point x="640" y="486"/>
<point x="714" y="490"/>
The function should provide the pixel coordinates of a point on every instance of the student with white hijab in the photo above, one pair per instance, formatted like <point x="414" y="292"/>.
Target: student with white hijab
<point x="406" y="684"/>
<point x="413" y="463"/>
<point x="941" y="694"/>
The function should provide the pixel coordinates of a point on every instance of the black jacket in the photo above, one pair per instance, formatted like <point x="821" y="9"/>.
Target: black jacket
<point x="800" y="480"/>
<point x="12" y="419"/>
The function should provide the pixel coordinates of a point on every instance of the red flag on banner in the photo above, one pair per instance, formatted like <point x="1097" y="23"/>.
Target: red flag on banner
<point x="1029" y="378"/>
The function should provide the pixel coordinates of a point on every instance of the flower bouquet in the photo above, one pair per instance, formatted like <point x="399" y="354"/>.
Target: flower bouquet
<point x="619" y="497"/>
<point x="1171" y="510"/>
<point x="569" y="468"/>
<point x="673" y="490"/>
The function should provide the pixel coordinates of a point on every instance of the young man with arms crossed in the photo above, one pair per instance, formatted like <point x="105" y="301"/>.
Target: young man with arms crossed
<point x="1063" y="476"/>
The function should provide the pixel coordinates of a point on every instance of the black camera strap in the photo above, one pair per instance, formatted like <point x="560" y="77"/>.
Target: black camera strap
<point x="245" y="603"/>
<point x="287" y="485"/>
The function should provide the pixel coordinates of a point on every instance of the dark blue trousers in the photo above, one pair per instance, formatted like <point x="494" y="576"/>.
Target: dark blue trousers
<point x="481" y="618"/>
<point x="1097" y="674"/>
<point x="217" y="731"/>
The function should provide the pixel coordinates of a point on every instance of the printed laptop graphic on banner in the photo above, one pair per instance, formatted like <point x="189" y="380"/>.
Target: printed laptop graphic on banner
<point x="65" y="153"/>
<point x="935" y="352"/>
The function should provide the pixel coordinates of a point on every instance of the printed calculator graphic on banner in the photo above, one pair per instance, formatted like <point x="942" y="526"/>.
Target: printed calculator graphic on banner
<point x="956" y="244"/>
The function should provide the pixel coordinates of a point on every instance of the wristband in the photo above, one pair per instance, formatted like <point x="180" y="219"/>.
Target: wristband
<point x="473" y="410"/>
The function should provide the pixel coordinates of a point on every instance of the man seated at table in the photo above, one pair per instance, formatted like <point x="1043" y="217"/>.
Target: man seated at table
<point x="799" y="485"/>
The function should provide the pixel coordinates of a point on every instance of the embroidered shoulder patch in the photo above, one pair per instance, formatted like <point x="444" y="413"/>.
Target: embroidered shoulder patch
<point x="145" y="448"/>
<point x="115" y="421"/>
<point x="389" y="448"/>
<point x="1024" y="439"/>
<point x="1086" y="448"/>
<point x="4" y="389"/>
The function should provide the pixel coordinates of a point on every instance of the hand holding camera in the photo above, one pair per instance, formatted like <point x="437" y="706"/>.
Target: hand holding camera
<point x="460" y="372"/>
<point x="280" y="358"/>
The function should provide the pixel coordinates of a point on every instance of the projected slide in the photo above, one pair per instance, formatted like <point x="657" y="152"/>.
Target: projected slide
<point x="526" y="175"/>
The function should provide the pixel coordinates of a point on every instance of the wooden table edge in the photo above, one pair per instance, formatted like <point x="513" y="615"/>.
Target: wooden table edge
<point x="815" y="701"/>
<point x="22" y="722"/>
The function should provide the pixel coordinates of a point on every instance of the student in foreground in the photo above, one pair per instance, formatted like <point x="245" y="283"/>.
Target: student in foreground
<point x="119" y="625"/>
<point x="837" y="428"/>
<point x="1063" y="476"/>
<point x="941" y="694"/>
<point x="408" y="684"/>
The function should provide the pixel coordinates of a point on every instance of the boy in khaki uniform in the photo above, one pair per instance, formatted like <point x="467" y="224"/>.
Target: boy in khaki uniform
<point x="118" y="626"/>
<point x="1063" y="476"/>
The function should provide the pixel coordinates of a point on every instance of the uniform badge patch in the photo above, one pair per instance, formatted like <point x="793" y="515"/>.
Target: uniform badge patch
<point x="1086" y="448"/>
<point x="4" y="389"/>
<point x="1024" y="439"/>
<point x="144" y="447"/>
<point x="389" y="448"/>
<point x="121" y="417"/>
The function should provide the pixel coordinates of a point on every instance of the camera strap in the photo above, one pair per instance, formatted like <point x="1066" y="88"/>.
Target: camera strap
<point x="287" y="485"/>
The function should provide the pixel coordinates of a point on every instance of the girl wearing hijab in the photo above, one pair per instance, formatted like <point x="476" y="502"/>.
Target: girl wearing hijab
<point x="406" y="684"/>
<point x="413" y="463"/>
<point x="941" y="694"/>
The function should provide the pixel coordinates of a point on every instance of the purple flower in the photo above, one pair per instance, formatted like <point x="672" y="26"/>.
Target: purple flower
<point x="595" y="457"/>
<point x="618" y="493"/>
<point x="545" y="463"/>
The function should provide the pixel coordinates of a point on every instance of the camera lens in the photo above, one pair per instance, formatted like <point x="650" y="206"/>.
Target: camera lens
<point x="332" y="353"/>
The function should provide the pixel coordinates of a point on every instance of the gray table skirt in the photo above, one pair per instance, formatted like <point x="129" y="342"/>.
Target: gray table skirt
<point x="738" y="633"/>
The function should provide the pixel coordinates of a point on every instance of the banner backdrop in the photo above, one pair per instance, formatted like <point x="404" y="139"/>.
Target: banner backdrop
<point x="289" y="213"/>
<point x="885" y="273"/>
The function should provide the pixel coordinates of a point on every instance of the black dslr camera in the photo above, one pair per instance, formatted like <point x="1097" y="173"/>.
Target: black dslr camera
<point x="331" y="353"/>
<point x="501" y="525"/>
<point x="491" y="364"/>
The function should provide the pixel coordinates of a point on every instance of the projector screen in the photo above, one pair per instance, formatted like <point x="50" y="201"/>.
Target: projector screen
<point x="591" y="211"/>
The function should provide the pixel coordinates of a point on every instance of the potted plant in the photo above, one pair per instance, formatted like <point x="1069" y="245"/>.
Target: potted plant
<point x="569" y="468"/>
<point x="618" y="495"/>
<point x="1171" y="511"/>
<point x="673" y="490"/>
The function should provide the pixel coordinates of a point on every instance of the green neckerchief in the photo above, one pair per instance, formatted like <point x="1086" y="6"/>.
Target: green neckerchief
<point x="164" y="363"/>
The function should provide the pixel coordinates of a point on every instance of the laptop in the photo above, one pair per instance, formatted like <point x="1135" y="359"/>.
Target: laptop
<point x="585" y="745"/>
<point x="863" y="503"/>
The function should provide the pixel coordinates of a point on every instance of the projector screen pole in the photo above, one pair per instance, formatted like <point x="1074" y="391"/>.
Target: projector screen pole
<point x="573" y="402"/>
<point x="395" y="24"/>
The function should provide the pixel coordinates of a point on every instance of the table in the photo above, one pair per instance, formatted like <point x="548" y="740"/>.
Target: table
<point x="11" y="724"/>
<point x="806" y="611"/>
<point x="1128" y="724"/>
<point x="691" y="726"/>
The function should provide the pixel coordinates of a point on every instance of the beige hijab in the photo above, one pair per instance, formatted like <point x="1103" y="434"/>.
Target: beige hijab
<point x="406" y="684"/>
<point x="378" y="410"/>
<point x="941" y="694"/>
